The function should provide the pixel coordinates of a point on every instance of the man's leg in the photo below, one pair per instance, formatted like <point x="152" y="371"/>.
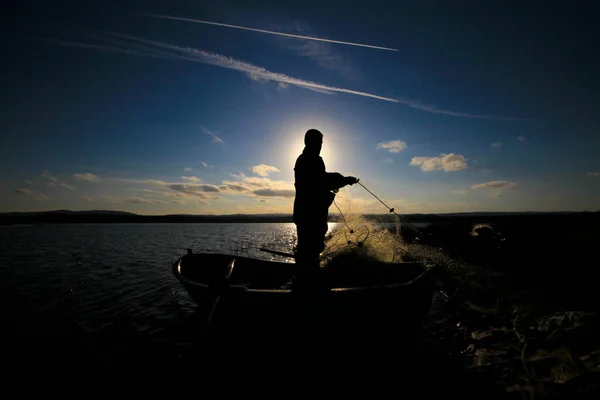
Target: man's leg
<point x="310" y="245"/>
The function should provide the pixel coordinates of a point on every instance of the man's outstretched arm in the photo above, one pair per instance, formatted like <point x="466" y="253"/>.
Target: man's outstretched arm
<point x="336" y="180"/>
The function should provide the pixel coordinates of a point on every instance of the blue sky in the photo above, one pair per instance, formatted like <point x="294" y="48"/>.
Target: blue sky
<point x="454" y="107"/>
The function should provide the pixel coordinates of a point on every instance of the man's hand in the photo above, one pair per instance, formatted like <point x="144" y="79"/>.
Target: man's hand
<point x="350" y="180"/>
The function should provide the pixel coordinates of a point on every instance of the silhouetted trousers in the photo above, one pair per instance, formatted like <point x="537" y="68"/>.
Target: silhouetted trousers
<point x="311" y="242"/>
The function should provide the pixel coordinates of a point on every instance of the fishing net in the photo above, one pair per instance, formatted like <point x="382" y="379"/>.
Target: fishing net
<point x="361" y="240"/>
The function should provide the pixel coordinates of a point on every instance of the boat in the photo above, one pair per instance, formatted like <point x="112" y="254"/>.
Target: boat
<point x="250" y="301"/>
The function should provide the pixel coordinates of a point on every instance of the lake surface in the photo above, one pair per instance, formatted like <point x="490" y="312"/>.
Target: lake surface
<point x="97" y="273"/>
<point x="111" y="284"/>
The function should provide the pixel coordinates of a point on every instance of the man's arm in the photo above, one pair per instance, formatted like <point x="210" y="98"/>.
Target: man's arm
<point x="336" y="180"/>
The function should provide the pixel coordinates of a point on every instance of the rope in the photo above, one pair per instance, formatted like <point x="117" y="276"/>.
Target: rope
<point x="381" y="201"/>
<point x="344" y="218"/>
<point x="391" y="210"/>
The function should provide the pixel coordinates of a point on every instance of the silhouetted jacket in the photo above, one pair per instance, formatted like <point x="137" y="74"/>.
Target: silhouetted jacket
<point x="313" y="189"/>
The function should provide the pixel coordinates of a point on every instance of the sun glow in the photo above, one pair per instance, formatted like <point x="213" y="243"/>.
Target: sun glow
<point x="291" y="143"/>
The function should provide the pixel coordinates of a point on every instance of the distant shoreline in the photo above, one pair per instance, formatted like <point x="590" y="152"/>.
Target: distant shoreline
<point x="107" y="217"/>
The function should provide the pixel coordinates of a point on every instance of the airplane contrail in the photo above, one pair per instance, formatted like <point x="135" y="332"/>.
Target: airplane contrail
<point x="144" y="47"/>
<point x="270" y="32"/>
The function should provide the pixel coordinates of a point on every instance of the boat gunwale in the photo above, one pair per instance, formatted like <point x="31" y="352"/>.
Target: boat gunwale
<point x="428" y="269"/>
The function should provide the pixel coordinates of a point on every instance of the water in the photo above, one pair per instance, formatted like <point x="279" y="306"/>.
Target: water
<point x="98" y="273"/>
<point x="112" y="283"/>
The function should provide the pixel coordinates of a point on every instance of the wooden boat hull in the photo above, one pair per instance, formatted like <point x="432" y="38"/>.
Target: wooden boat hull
<point x="246" y="301"/>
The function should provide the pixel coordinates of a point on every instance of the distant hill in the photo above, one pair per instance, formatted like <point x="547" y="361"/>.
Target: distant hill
<point x="111" y="216"/>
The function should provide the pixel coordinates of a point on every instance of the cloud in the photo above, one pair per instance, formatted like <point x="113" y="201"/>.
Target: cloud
<point x="131" y="200"/>
<point x="86" y="176"/>
<point x="272" y="32"/>
<point x="23" y="191"/>
<point x="260" y="187"/>
<point x="274" y="193"/>
<point x="28" y="182"/>
<point x="55" y="182"/>
<point x="263" y="201"/>
<point x="322" y="53"/>
<point x="393" y="146"/>
<point x="113" y="199"/>
<point x="187" y="170"/>
<point x="494" y="184"/>
<point x="459" y="191"/>
<point x="190" y="178"/>
<point x="165" y="50"/>
<point x="30" y="193"/>
<point x="205" y="165"/>
<point x="86" y="198"/>
<point x="170" y="189"/>
<point x="594" y="174"/>
<point x="212" y="134"/>
<point x="495" y="194"/>
<point x="521" y="139"/>
<point x="147" y="52"/>
<point x="196" y="190"/>
<point x="201" y="56"/>
<point x="263" y="170"/>
<point x="496" y="145"/>
<point x="49" y="176"/>
<point x="447" y="162"/>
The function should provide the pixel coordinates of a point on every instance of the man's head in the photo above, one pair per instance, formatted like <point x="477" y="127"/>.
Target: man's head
<point x="313" y="139"/>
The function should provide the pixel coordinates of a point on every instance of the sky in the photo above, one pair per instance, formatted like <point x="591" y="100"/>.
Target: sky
<point x="201" y="107"/>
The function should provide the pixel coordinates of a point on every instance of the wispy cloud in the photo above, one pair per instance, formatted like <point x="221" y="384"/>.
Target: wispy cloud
<point x="447" y="162"/>
<point x="211" y="134"/>
<point x="253" y="71"/>
<point x="393" y="146"/>
<point x="325" y="55"/>
<point x="86" y="176"/>
<point x="131" y="200"/>
<point x="261" y="187"/>
<point x="496" y="145"/>
<point x="46" y="174"/>
<point x="205" y="165"/>
<point x="594" y="174"/>
<point x="494" y="184"/>
<point x="185" y="189"/>
<point x="165" y="50"/>
<point x="86" y="198"/>
<point x="271" y="32"/>
<point x="263" y="170"/>
<point x="30" y="193"/>
<point x="495" y="194"/>
<point x="187" y="170"/>
<point x="521" y="139"/>
<point x="136" y="50"/>
<point x="202" y="191"/>
<point x="23" y="191"/>
<point x="459" y="191"/>
<point x="54" y="181"/>
<point x="28" y="182"/>
<point x="190" y="178"/>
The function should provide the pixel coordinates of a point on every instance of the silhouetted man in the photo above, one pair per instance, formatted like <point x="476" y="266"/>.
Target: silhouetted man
<point x="313" y="197"/>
